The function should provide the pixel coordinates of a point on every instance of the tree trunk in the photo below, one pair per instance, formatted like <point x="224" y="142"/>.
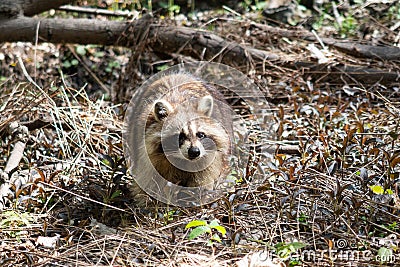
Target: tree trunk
<point x="80" y="31"/>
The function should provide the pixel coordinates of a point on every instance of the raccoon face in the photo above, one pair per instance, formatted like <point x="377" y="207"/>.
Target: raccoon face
<point x="193" y="142"/>
<point x="195" y="150"/>
<point x="185" y="135"/>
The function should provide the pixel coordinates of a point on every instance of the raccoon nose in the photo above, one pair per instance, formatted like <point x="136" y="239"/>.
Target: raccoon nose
<point x="193" y="152"/>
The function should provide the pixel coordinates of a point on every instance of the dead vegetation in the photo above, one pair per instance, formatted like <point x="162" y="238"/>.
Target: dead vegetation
<point x="334" y="200"/>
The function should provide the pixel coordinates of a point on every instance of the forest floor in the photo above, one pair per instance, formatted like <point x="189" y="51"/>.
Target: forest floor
<point x="331" y="200"/>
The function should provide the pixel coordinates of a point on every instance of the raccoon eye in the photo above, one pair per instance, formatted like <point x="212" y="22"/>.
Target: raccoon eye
<point x="201" y="135"/>
<point x="182" y="138"/>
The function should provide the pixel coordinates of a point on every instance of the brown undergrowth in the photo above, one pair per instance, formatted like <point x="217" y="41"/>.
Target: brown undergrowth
<point x="69" y="186"/>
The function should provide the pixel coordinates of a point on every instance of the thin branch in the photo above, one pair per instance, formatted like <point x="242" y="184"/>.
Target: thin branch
<point x="99" y="11"/>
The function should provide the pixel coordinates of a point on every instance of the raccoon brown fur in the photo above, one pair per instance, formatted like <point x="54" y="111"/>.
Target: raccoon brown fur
<point x="181" y="129"/>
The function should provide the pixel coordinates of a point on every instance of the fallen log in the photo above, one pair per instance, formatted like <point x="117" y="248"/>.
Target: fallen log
<point x="144" y="34"/>
<point x="345" y="46"/>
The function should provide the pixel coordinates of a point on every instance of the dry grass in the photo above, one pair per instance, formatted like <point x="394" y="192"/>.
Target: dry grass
<point x="70" y="185"/>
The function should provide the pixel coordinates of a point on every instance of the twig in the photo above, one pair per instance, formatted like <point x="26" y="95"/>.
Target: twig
<point x="36" y="44"/>
<point x="336" y="14"/>
<point x="99" y="11"/>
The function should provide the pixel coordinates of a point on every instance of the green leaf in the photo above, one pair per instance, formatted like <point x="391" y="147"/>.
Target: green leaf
<point x="74" y="62"/>
<point x="297" y="245"/>
<point x="279" y="245"/>
<point x="216" y="238"/>
<point x="284" y="253"/>
<point x="196" y="223"/>
<point x="162" y="67"/>
<point x="385" y="254"/>
<point x="12" y="217"/>
<point x="377" y="189"/>
<point x="261" y="5"/>
<point x="174" y="8"/>
<point x="389" y="191"/>
<point x="116" y="194"/>
<point x="285" y="250"/>
<point x="214" y="223"/>
<point x="99" y="54"/>
<point x="199" y="231"/>
<point x="81" y="50"/>
<point x="220" y="229"/>
<point x="232" y="176"/>
<point x="66" y="64"/>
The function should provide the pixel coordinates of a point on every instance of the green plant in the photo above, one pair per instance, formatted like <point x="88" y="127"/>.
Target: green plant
<point x="379" y="190"/>
<point x="112" y="65"/>
<point x="345" y="24"/>
<point x="171" y="7"/>
<point x="248" y="5"/>
<point x="168" y="216"/>
<point x="201" y="227"/>
<point x="112" y="193"/>
<point x="348" y="27"/>
<point x="302" y="218"/>
<point x="234" y="177"/>
<point x="385" y="255"/>
<point x="162" y="67"/>
<point x="393" y="226"/>
<point x="81" y="50"/>
<point x="284" y="251"/>
<point x="394" y="12"/>
<point x="14" y="219"/>
<point x="69" y="63"/>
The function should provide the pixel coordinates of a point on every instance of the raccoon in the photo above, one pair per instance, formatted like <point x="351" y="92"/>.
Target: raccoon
<point x="181" y="131"/>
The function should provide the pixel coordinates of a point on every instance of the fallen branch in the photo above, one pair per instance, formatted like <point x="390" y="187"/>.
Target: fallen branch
<point x="198" y="44"/>
<point x="345" y="46"/>
<point x="205" y="45"/>
<point x="82" y="31"/>
<point x="97" y="11"/>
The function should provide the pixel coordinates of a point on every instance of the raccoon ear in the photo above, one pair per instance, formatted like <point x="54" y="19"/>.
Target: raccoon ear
<point x="206" y="105"/>
<point x="161" y="109"/>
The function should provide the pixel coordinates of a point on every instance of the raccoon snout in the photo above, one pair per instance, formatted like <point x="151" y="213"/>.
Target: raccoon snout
<point x="193" y="152"/>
